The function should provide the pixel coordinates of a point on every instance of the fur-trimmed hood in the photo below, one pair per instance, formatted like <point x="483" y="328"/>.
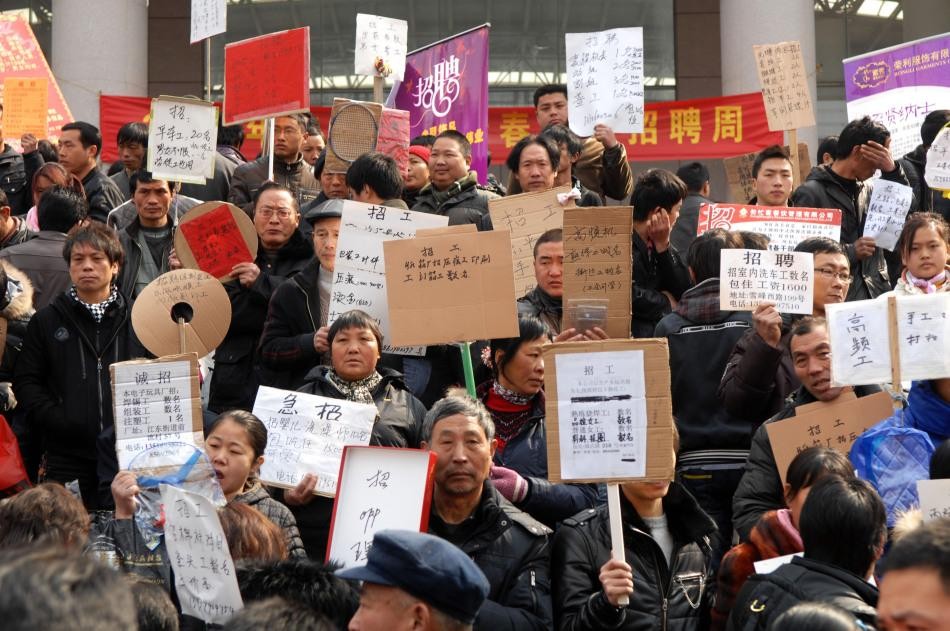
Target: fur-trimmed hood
<point x="21" y="307"/>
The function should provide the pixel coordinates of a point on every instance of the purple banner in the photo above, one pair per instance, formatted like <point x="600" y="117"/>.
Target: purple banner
<point x="446" y="87"/>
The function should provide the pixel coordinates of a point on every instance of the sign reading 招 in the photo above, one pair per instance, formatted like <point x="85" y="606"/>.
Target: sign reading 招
<point x="785" y="227"/>
<point x="751" y="277"/>
<point x="182" y="137"/>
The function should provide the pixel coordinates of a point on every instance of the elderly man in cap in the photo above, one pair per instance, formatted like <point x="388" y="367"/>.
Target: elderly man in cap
<point x="412" y="580"/>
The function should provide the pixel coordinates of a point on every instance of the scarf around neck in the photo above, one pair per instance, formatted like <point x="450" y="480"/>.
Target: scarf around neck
<point x="359" y="391"/>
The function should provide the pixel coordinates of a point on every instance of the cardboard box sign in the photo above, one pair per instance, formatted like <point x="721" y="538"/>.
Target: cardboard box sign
<point x="358" y="127"/>
<point x="609" y="413"/>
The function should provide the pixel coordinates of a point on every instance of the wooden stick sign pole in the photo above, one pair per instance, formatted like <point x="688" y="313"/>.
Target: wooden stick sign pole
<point x="793" y="155"/>
<point x="896" y="395"/>
<point x="181" y="335"/>
<point x="378" y="89"/>
<point x="270" y="148"/>
<point x="616" y="529"/>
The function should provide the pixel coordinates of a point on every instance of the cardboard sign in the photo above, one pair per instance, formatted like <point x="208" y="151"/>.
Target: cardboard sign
<point x="267" y="76"/>
<point x="381" y="37"/>
<point x="25" y="106"/>
<point x="934" y="499"/>
<point x="214" y="237"/>
<point x="393" y="139"/>
<point x="609" y="414"/>
<point x="751" y="277"/>
<point x="208" y="18"/>
<point x="836" y="426"/>
<point x="597" y="261"/>
<point x="379" y="488"/>
<point x="784" y="84"/>
<point x="937" y="169"/>
<point x="605" y="77"/>
<point x="182" y="137"/>
<point x="153" y="313"/>
<point x="353" y="130"/>
<point x="785" y="227"/>
<point x="464" y="278"/>
<point x="526" y="217"/>
<point x="359" y="278"/>
<point x="155" y="401"/>
<point x="739" y="173"/>
<point x="200" y="559"/>
<point x="306" y="433"/>
<point x="887" y="210"/>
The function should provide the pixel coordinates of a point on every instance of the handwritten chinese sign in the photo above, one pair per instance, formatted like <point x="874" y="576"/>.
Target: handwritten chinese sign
<point x="380" y="488"/>
<point x="751" y="277"/>
<point x="934" y="499"/>
<point x="214" y="241"/>
<point x="208" y="17"/>
<point x="25" y="106"/>
<point x="887" y="210"/>
<point x="383" y="38"/>
<point x="199" y="556"/>
<point x="359" y="274"/>
<point x="923" y="333"/>
<point x="605" y="79"/>
<point x="785" y="227"/>
<point x="182" y="136"/>
<point x="784" y="85"/>
<point x="155" y="402"/>
<point x="306" y="433"/>
<point x="937" y="169"/>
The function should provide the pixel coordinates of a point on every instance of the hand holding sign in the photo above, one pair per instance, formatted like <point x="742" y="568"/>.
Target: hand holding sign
<point x="216" y="237"/>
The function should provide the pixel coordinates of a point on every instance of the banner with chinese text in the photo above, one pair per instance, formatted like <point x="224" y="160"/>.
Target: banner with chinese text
<point x="899" y="86"/>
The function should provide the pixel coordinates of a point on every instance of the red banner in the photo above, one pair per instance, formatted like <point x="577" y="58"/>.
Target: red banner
<point x="698" y="129"/>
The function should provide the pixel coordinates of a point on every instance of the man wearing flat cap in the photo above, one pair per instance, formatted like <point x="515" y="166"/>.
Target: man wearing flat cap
<point x="416" y="581"/>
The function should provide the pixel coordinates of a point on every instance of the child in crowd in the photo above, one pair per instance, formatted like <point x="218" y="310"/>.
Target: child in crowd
<point x="924" y="244"/>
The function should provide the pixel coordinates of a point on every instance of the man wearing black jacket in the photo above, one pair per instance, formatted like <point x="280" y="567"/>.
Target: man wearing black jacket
<point x="62" y="374"/>
<point x="79" y="149"/>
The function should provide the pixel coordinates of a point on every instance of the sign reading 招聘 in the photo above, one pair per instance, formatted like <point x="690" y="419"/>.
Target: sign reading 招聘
<point x="751" y="277"/>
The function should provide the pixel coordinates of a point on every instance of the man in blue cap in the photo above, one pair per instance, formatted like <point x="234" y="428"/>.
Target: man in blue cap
<point x="412" y="580"/>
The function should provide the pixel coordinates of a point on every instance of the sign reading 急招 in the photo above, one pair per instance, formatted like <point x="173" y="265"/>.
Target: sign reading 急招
<point x="751" y="277"/>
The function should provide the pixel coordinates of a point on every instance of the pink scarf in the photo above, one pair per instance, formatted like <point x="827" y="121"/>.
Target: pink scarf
<point x="928" y="286"/>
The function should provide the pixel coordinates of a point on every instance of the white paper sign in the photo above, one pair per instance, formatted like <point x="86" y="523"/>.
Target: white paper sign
<point x="887" y="211"/>
<point x="208" y="17"/>
<point x="602" y="411"/>
<point x="198" y="553"/>
<point x="359" y="273"/>
<point x="182" y="140"/>
<point x="605" y="80"/>
<point x="381" y="488"/>
<point x="923" y="330"/>
<point x="381" y="37"/>
<point x="306" y="433"/>
<point x="751" y="277"/>
<point x="937" y="170"/>
<point x="860" y="352"/>
<point x="767" y="566"/>
<point x="153" y="404"/>
<point x="934" y="499"/>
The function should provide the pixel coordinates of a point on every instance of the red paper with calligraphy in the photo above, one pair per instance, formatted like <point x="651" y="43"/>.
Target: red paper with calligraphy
<point x="21" y="56"/>
<point x="785" y="227"/>
<point x="267" y="76"/>
<point x="216" y="241"/>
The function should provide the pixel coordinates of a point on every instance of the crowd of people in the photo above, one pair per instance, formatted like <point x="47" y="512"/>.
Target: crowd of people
<point x="506" y="548"/>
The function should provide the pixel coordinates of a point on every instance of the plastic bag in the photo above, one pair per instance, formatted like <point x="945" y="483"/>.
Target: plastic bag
<point x="13" y="478"/>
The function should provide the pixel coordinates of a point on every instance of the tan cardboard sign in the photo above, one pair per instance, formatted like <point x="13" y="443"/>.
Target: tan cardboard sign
<point x="784" y="84"/>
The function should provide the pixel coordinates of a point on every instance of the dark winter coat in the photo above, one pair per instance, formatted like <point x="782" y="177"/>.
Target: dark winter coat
<point x="297" y="176"/>
<point x="512" y="549"/>
<point x="673" y="595"/>
<point x="21" y="234"/>
<point x="684" y="230"/>
<point x="102" y="194"/>
<point x="604" y="171"/>
<point x="16" y="175"/>
<point x="128" y="273"/>
<point x="257" y="497"/>
<point x="654" y="272"/>
<point x="542" y="306"/>
<point x="467" y="202"/>
<point x="41" y="259"/>
<point x="926" y="199"/>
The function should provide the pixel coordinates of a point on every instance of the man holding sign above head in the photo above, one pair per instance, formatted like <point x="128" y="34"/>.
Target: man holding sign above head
<point x="509" y="546"/>
<point x="148" y="240"/>
<point x="772" y="173"/>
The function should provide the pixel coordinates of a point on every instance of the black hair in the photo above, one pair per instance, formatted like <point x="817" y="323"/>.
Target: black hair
<point x="133" y="133"/>
<point x="312" y="584"/>
<point x="47" y="150"/>
<point x="271" y="185"/>
<point x="813" y="464"/>
<point x="926" y="547"/>
<point x="656" y="188"/>
<point x="940" y="462"/>
<point x="754" y="240"/>
<point x="154" y="607"/>
<point x="378" y="171"/>
<point x="88" y="134"/>
<point x="231" y="135"/>
<point x="828" y="144"/>
<point x="278" y="614"/>
<point x="312" y="127"/>
<point x="554" y="235"/>
<point x="554" y="153"/>
<point x="859" y="132"/>
<point x="145" y="177"/>
<point x="843" y="523"/>
<point x="933" y="123"/>
<point x="549" y="88"/>
<point x="98" y="236"/>
<point x="301" y="119"/>
<point x="806" y="325"/>
<point x="355" y="319"/>
<point x="464" y="145"/>
<point x="529" y="328"/>
<point x="773" y="151"/>
<point x="562" y="135"/>
<point x="256" y="430"/>
<point x="424" y="140"/>
<point x="816" y="616"/>
<point x="703" y="255"/>
<point x="916" y="221"/>
<point x="819" y="245"/>
<point x="60" y="208"/>
<point x="694" y="176"/>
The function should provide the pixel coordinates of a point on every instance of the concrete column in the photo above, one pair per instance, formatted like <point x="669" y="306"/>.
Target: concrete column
<point x="99" y="47"/>
<point x="743" y="23"/>
<point x="923" y="18"/>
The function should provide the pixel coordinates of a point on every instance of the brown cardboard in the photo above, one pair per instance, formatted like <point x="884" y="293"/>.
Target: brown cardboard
<point x="784" y="82"/>
<point x="598" y="261"/>
<point x="4" y="327"/>
<point x="244" y="224"/>
<point x="739" y="173"/>
<point x="450" y="288"/>
<point x="815" y="406"/>
<point x="459" y="229"/>
<point x="660" y="460"/>
<point x="346" y="135"/>
<point x="527" y="216"/>
<point x="152" y="319"/>
<point x="836" y="425"/>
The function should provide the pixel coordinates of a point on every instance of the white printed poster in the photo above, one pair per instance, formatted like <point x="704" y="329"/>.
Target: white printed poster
<point x="752" y="277"/>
